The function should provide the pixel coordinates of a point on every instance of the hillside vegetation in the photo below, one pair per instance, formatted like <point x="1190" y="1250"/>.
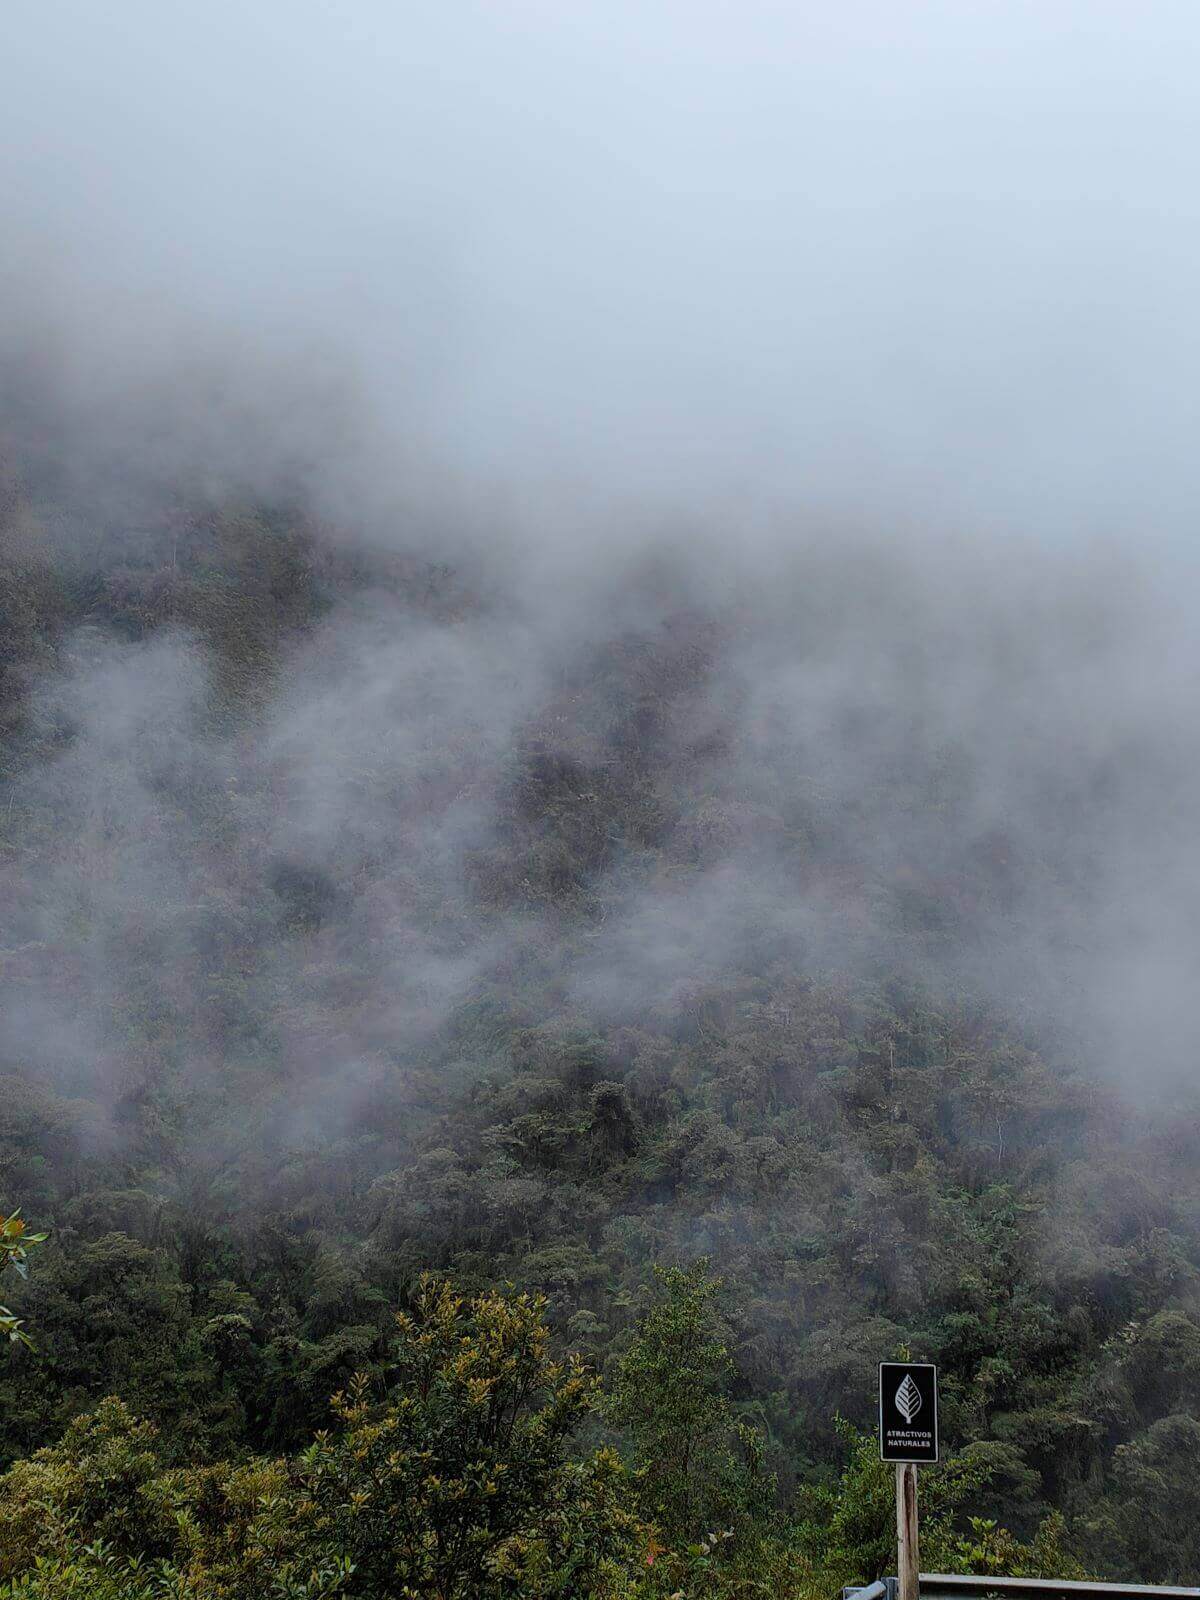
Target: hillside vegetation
<point x="363" y="919"/>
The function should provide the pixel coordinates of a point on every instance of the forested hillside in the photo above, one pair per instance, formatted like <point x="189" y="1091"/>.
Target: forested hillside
<point x="829" y="922"/>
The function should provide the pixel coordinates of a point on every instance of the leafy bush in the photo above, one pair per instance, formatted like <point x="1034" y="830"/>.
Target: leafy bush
<point x="455" y="1483"/>
<point x="459" y="1477"/>
<point x="847" y="1527"/>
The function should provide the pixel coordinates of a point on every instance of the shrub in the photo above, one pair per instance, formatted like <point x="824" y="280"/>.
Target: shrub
<point x="455" y="1483"/>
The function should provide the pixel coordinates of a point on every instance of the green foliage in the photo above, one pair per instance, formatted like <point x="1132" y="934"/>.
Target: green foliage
<point x="698" y="1469"/>
<point x="1156" y="1472"/>
<point x="847" y="1526"/>
<point x="93" y="1482"/>
<point x="15" y="1245"/>
<point x="94" y="1572"/>
<point x="459" y="1479"/>
<point x="985" y="1548"/>
<point x="455" y="1483"/>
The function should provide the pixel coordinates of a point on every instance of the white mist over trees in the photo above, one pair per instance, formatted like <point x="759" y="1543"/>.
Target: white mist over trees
<point x="598" y="666"/>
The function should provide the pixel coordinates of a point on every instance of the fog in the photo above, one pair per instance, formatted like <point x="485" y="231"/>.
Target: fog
<point x="842" y="359"/>
<point x="930" y="264"/>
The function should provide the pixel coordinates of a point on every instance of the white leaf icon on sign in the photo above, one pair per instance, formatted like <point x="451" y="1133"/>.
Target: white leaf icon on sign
<point x="908" y="1398"/>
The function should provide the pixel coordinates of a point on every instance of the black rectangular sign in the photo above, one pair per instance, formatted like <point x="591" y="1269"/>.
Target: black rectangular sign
<point x="908" y="1424"/>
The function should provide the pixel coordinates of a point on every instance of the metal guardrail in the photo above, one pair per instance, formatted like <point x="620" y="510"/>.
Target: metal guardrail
<point x="949" y="1586"/>
<point x="954" y="1586"/>
<point x="882" y="1589"/>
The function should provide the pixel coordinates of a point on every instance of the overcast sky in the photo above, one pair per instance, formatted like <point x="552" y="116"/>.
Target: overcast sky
<point x="932" y="261"/>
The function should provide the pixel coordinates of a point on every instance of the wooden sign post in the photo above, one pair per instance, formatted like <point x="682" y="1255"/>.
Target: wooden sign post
<point x="908" y="1435"/>
<point x="908" y="1555"/>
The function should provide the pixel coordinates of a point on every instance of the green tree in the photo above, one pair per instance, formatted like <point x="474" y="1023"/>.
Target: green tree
<point x="1156" y="1473"/>
<point x="457" y="1484"/>
<point x="100" y="1515"/>
<point x="698" y="1468"/>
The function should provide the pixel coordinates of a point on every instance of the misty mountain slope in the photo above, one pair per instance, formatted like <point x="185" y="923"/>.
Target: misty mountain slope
<point x="362" y="915"/>
<point x="598" y="667"/>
